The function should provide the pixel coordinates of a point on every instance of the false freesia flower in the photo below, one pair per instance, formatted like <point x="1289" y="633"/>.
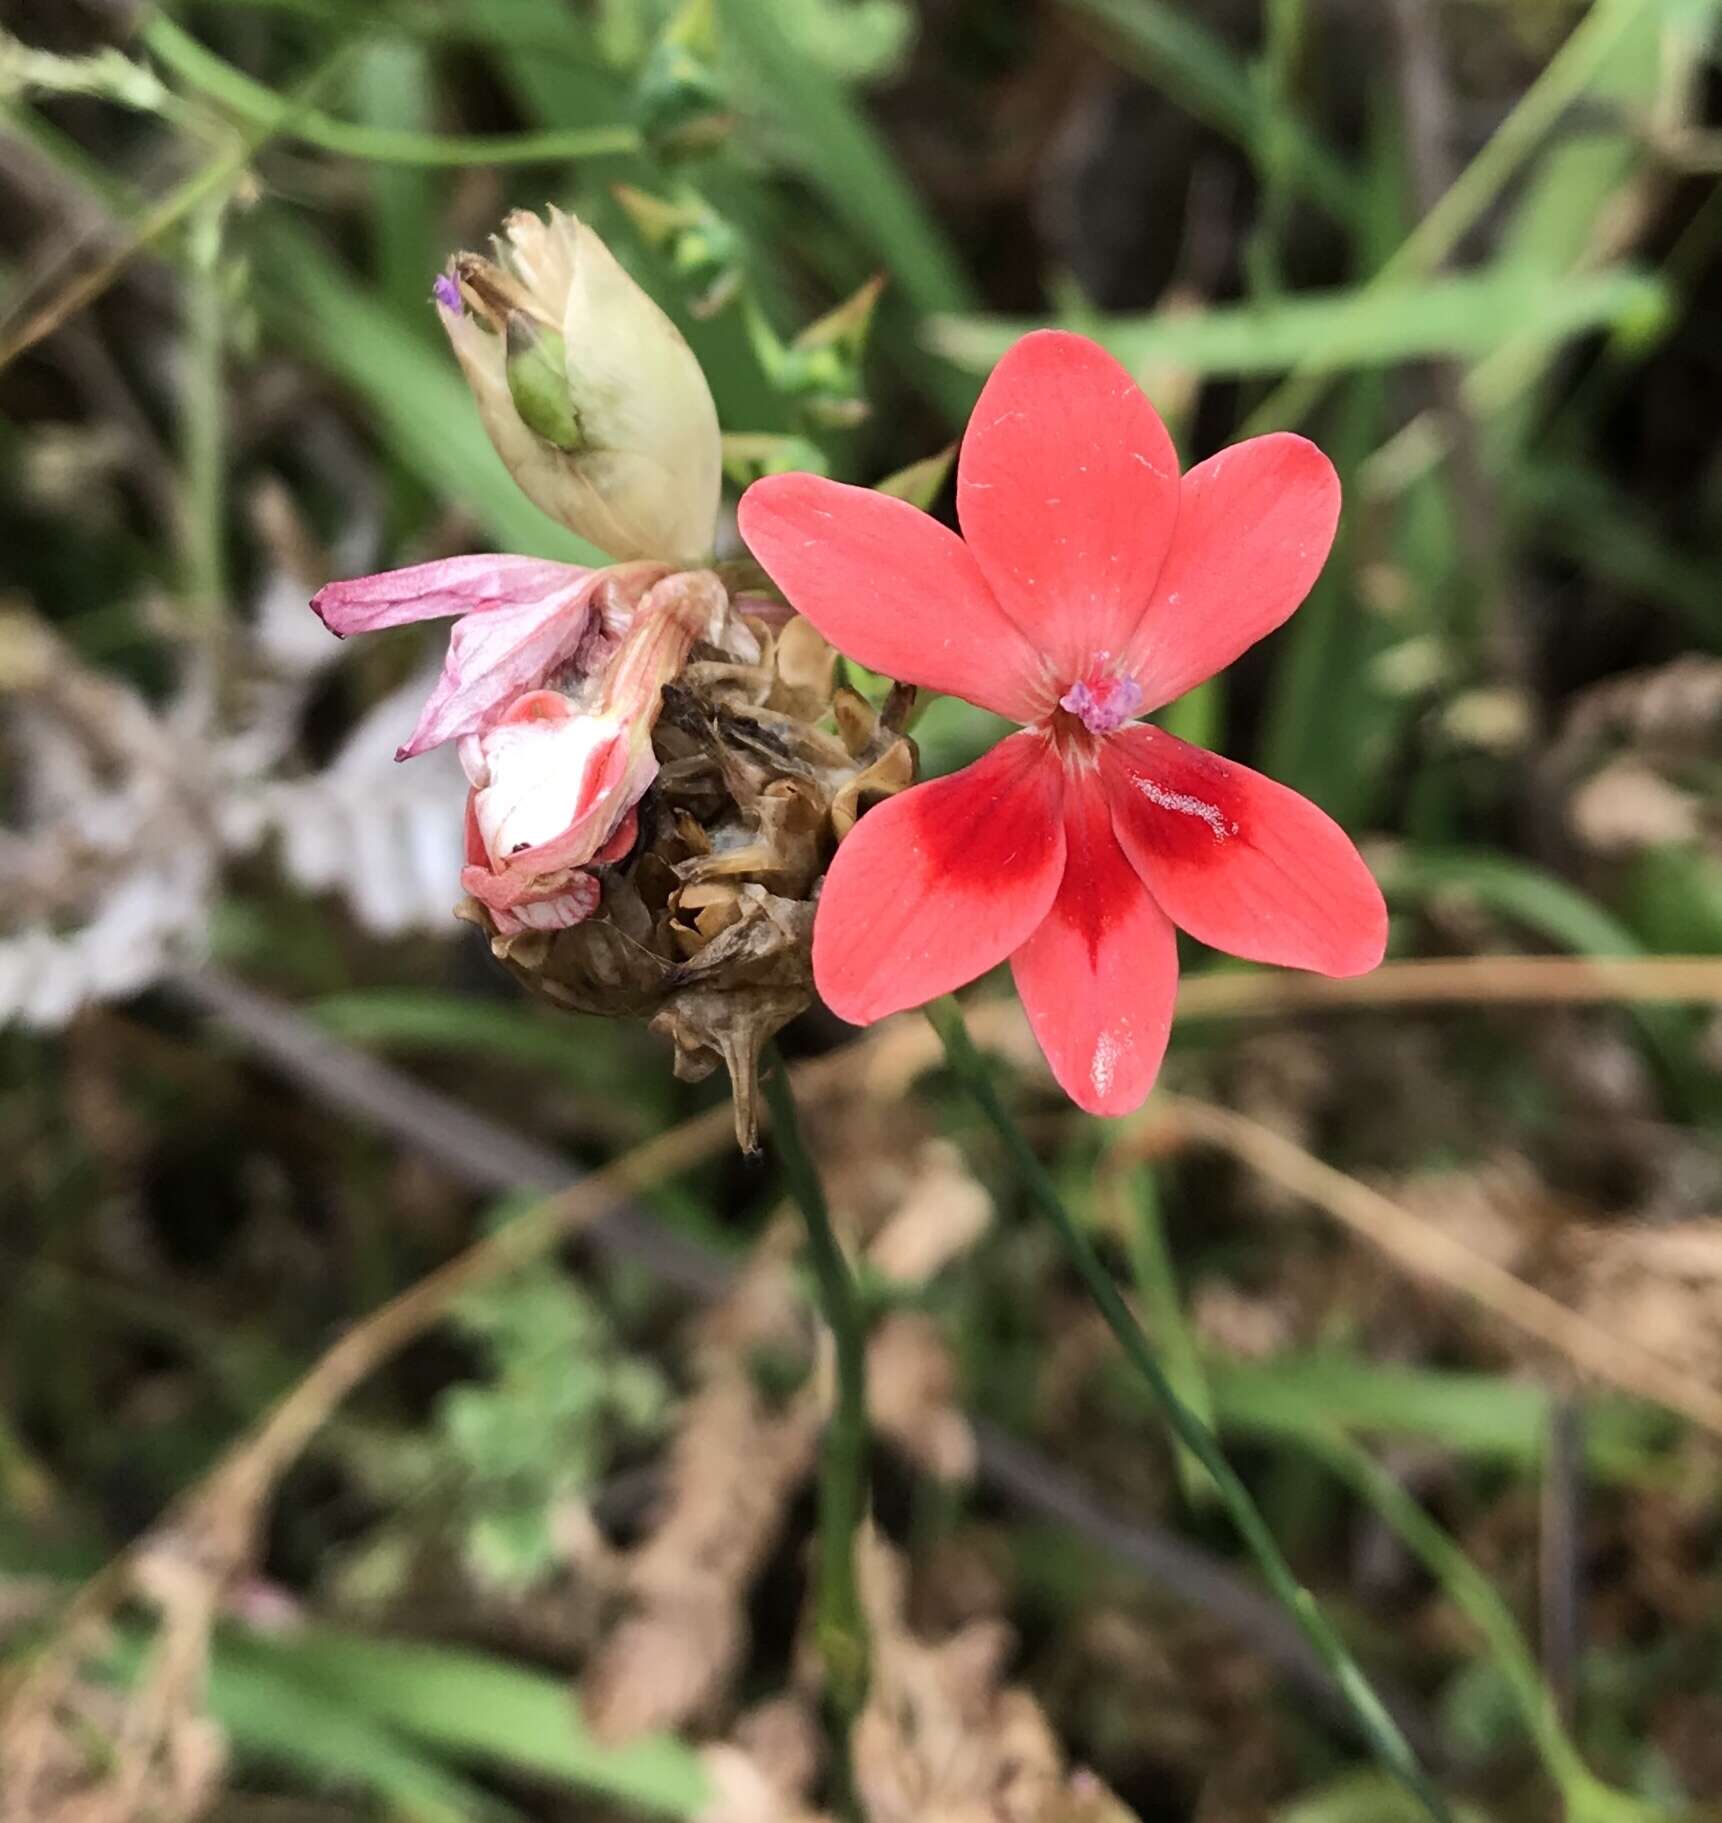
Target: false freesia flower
<point x="1092" y="585"/>
<point x="589" y="392"/>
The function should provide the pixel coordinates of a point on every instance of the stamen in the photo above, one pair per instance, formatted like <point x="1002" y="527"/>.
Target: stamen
<point x="447" y="293"/>
<point x="1105" y="704"/>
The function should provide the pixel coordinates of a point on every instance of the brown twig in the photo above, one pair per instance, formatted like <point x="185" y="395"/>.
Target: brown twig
<point x="1461" y="981"/>
<point x="902" y="1049"/>
<point x="215" y="1521"/>
<point x="1429" y="1253"/>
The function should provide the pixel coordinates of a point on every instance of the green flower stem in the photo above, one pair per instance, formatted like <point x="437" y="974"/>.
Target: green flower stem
<point x="1584" y="1798"/>
<point x="1157" y="1289"/>
<point x="840" y="1625"/>
<point x="203" y="415"/>
<point x="1382" y="1732"/>
<point x="260" y="107"/>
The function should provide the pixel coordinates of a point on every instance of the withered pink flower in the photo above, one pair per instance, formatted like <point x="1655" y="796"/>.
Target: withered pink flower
<point x="555" y="779"/>
<point x="552" y="686"/>
<point x="1093" y="583"/>
<point x="522" y="622"/>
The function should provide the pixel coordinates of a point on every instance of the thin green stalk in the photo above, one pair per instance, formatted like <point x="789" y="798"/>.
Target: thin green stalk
<point x="1584" y="1798"/>
<point x="1274" y="151"/>
<point x="1194" y="66"/>
<point x="1563" y="79"/>
<point x="209" y="181"/>
<point x="259" y="106"/>
<point x="1157" y="1286"/>
<point x="203" y="419"/>
<point x="840" y="1625"/>
<point x="1379" y="1727"/>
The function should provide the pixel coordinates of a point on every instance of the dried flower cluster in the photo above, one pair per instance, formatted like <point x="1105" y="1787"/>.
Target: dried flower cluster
<point x="660" y="768"/>
<point x="705" y="923"/>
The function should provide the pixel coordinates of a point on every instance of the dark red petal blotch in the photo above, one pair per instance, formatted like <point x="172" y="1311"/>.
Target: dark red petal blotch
<point x="940" y="884"/>
<point x="1099" y="977"/>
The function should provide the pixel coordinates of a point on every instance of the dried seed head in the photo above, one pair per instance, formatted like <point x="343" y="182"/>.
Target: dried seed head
<point x="704" y="927"/>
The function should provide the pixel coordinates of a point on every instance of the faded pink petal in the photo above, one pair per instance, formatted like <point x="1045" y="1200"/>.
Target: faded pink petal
<point x="520" y="618"/>
<point x="493" y="657"/>
<point x="894" y="589"/>
<point x="1255" y="524"/>
<point x="1241" y="863"/>
<point x="431" y="591"/>
<point x="941" y="883"/>
<point x="557" y="910"/>
<point x="1099" y="976"/>
<point x="1067" y="490"/>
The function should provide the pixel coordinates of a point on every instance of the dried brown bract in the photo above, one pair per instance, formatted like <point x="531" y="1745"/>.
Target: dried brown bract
<point x="74" y="1749"/>
<point x="705" y="927"/>
<point x="944" y="1739"/>
<point x="740" y="1455"/>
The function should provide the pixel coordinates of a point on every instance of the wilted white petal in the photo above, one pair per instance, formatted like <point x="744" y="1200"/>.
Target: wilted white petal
<point x="435" y="841"/>
<point x="57" y="984"/>
<point x="376" y="877"/>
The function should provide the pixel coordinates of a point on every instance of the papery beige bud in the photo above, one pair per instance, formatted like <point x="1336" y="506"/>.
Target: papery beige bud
<point x="589" y="392"/>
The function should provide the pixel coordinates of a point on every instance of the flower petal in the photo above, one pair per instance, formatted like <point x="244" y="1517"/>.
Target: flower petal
<point x="1255" y="524"/>
<point x="892" y="588"/>
<point x="1240" y="862"/>
<point x="492" y="658"/>
<point x="430" y="591"/>
<point x="1099" y="977"/>
<point x="555" y="791"/>
<point x="935" y="886"/>
<point x="1067" y="489"/>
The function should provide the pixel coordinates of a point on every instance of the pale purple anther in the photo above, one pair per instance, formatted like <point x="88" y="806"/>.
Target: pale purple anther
<point x="447" y="293"/>
<point x="1104" y="705"/>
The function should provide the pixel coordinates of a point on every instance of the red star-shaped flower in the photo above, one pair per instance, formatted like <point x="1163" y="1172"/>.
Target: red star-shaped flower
<point x="1092" y="584"/>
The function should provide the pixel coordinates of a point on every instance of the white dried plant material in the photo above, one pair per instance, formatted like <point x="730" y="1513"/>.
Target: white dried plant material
<point x="944" y="1211"/>
<point x="742" y="1791"/>
<point x="1662" y="1285"/>
<point x="109" y="865"/>
<point x="73" y="1749"/>
<point x="1249" y="1326"/>
<point x="148" y="921"/>
<point x="1636" y="757"/>
<point x="1499" y="1209"/>
<point x="1628" y="806"/>
<point x="389" y="839"/>
<point x="912" y="1388"/>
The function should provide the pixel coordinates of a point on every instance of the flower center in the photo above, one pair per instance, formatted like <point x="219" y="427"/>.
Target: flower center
<point x="1103" y="701"/>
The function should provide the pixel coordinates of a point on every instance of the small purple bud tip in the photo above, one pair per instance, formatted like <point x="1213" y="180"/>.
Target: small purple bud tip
<point x="1104" y="705"/>
<point x="447" y="293"/>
